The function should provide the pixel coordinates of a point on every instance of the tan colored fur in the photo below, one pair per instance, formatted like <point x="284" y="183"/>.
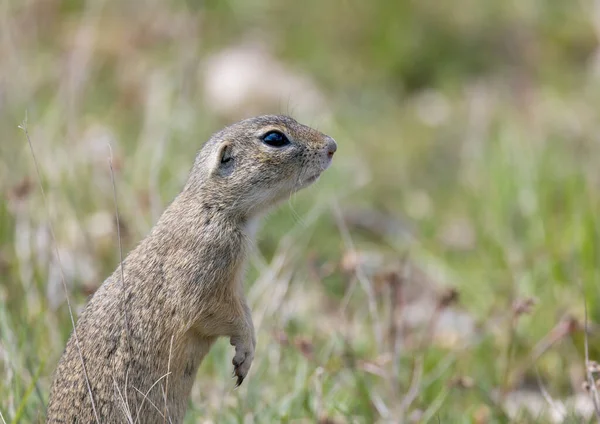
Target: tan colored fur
<point x="183" y="282"/>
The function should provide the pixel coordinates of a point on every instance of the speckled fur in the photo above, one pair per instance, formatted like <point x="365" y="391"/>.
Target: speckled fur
<point x="182" y="285"/>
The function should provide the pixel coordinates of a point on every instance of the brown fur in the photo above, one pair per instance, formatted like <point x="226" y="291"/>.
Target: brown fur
<point x="182" y="285"/>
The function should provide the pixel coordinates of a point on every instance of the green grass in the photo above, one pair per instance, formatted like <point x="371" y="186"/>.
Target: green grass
<point x="470" y="134"/>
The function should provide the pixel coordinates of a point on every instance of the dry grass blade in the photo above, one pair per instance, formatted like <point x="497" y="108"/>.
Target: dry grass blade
<point x="166" y="413"/>
<point x="121" y="267"/>
<point x="149" y="401"/>
<point x="380" y="405"/>
<point x="559" y="332"/>
<point x="360" y="274"/>
<point x="23" y="127"/>
<point x="118" y="223"/>
<point x="415" y="385"/>
<point x="124" y="404"/>
<point x="590" y="377"/>
<point x="557" y="407"/>
<point x="434" y="407"/>
<point x="137" y="418"/>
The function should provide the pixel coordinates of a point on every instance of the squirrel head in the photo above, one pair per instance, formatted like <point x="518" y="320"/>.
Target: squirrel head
<point x="249" y="166"/>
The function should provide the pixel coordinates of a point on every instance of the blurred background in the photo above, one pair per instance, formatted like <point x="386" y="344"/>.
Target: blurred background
<point x="437" y="272"/>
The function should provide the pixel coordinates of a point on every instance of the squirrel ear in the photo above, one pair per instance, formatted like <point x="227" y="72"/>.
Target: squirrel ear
<point x="224" y="159"/>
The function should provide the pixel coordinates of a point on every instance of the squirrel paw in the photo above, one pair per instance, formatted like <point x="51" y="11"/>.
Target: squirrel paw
<point x="244" y="354"/>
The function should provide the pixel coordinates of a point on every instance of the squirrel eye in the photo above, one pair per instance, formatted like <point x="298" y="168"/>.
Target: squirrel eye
<point x="275" y="139"/>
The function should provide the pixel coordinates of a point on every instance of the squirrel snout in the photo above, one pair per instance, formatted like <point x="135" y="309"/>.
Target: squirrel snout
<point x="331" y="147"/>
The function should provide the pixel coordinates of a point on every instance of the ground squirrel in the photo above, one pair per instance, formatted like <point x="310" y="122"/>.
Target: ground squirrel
<point x="140" y="341"/>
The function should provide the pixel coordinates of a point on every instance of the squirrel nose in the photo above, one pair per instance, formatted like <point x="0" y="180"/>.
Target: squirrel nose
<point x="331" y="147"/>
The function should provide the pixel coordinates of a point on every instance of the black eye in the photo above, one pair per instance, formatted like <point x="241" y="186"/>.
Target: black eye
<point x="275" y="139"/>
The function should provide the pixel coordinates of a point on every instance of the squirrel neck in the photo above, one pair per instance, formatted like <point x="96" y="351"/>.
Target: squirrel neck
<point x="206" y="196"/>
<point x="199" y="217"/>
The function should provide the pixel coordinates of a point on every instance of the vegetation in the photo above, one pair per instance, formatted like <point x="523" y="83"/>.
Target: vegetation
<point x="438" y="272"/>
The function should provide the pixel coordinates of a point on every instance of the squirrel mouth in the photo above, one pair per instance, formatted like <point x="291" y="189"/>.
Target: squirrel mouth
<point x="312" y="179"/>
<point x="308" y="181"/>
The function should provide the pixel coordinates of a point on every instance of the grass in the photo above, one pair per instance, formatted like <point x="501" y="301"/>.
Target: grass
<point x="438" y="270"/>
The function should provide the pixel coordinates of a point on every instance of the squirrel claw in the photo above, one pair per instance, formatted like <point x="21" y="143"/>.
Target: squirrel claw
<point x="239" y="381"/>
